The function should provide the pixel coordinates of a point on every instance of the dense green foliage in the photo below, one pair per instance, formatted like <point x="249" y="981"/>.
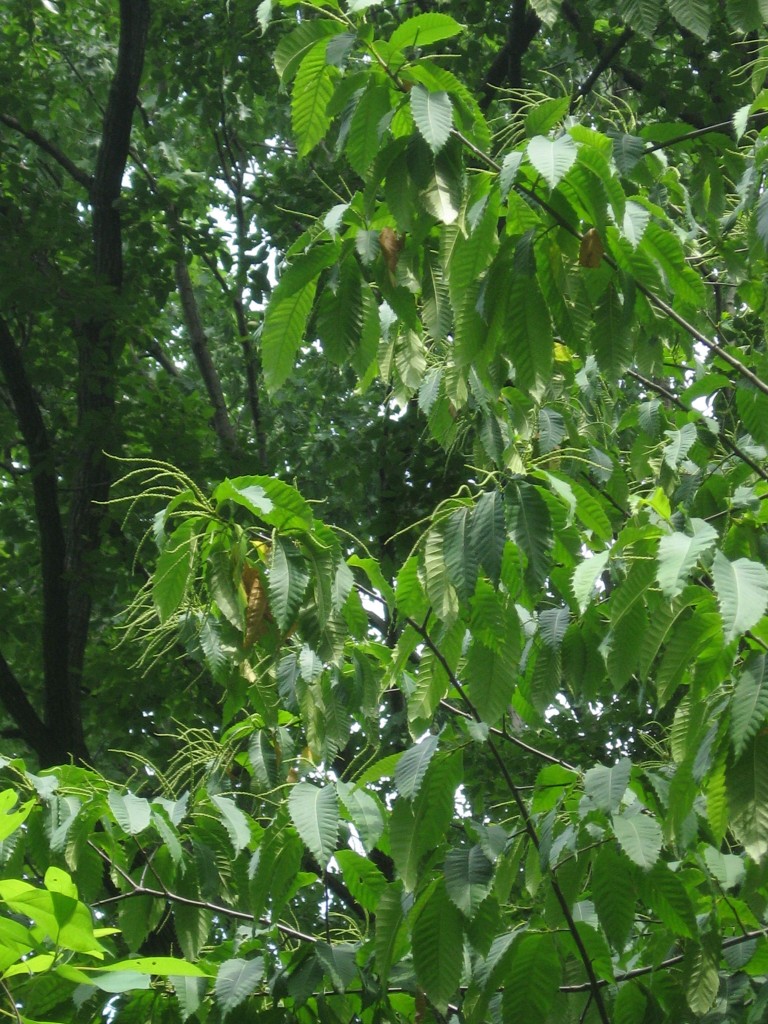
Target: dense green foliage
<point x="387" y="644"/>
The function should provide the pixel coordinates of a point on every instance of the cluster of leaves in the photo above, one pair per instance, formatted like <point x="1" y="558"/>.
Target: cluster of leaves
<point x="526" y="772"/>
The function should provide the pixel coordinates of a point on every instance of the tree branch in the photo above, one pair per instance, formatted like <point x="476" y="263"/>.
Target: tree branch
<point x="75" y="172"/>
<point x="507" y="69"/>
<point x="99" y="344"/>
<point x="593" y="985"/>
<point x="200" y="350"/>
<point x="604" y="62"/>
<point x="55" y="638"/>
<point x="15" y="701"/>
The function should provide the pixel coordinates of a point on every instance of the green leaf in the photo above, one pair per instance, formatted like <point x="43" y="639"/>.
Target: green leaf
<point x="391" y="939"/>
<point x="366" y="127"/>
<point x="747" y="783"/>
<point x="547" y="10"/>
<point x="284" y="325"/>
<point x="10" y="820"/>
<point x="189" y="993"/>
<point x="487" y="534"/>
<point x="641" y="15"/>
<point x="606" y="786"/>
<point x="742" y="593"/>
<point x="695" y="15"/>
<point x="753" y="409"/>
<point x="585" y="576"/>
<point x="338" y="962"/>
<point x="761" y="219"/>
<point x="669" y="898"/>
<point x="679" y="553"/>
<point x="363" y="879"/>
<point x="234" y="821"/>
<point x="679" y="444"/>
<point x="639" y="837"/>
<point x="294" y="47"/>
<point x="237" y="979"/>
<point x="438" y="944"/>
<point x="132" y="813"/>
<point x="492" y="674"/>
<point x="287" y="582"/>
<point x="613" y="895"/>
<point x="631" y="1004"/>
<point x="432" y="115"/>
<point x="461" y="558"/>
<point x="440" y="590"/>
<point x="530" y="526"/>
<point x="315" y="813"/>
<point x="552" y="158"/>
<point x="532" y="978"/>
<point x="528" y="333"/>
<point x="312" y="92"/>
<point x="365" y="812"/>
<point x="162" y="966"/>
<point x="174" y="567"/>
<point x="423" y="30"/>
<point x="749" y="704"/>
<point x="468" y="877"/>
<point x="412" y="767"/>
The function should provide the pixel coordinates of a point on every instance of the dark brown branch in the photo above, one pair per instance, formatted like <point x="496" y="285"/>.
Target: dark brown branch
<point x="200" y="350"/>
<point x="55" y="639"/>
<point x="61" y="158"/>
<point x="606" y="59"/>
<point x="99" y="344"/>
<point x="15" y="702"/>
<point x="593" y="985"/>
<point x="724" y="441"/>
<point x="506" y="72"/>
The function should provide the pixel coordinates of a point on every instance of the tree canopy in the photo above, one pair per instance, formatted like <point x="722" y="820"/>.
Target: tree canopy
<point x="384" y="418"/>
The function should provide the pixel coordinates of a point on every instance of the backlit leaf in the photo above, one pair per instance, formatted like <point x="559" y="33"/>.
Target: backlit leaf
<point x="314" y="811"/>
<point x="742" y="593"/>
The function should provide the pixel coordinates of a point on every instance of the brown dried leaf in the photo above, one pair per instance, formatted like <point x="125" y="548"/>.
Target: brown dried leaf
<point x="591" y="251"/>
<point x="391" y="244"/>
<point x="258" y="607"/>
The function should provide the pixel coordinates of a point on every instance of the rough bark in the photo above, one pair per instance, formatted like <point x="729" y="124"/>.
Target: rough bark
<point x="55" y="639"/>
<point x="99" y="343"/>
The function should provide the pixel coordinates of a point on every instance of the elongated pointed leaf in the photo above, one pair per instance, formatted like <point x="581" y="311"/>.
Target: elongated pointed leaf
<point x="695" y="15"/>
<point x="639" y="837"/>
<point x="423" y="30"/>
<point x="669" y="898"/>
<point x="315" y="813"/>
<point x="552" y="158"/>
<point x="461" y="558"/>
<point x="488" y="532"/>
<point x="312" y="92"/>
<point x="412" y="766"/>
<point x="432" y="115"/>
<point x="132" y="813"/>
<point x="607" y="785"/>
<point x="747" y="783"/>
<point x="284" y="326"/>
<point x="287" y="582"/>
<point x="236" y="980"/>
<point x="614" y="896"/>
<point x="749" y="704"/>
<point x="742" y="593"/>
<point x="679" y="553"/>
<point x="585" y="577"/>
<point x="532" y="979"/>
<point x="235" y="822"/>
<point x="438" y="942"/>
<point x="468" y="876"/>
<point x="641" y="15"/>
